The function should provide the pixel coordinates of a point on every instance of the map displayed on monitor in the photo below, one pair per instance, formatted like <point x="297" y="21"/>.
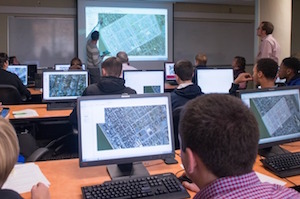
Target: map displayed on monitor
<point x="67" y="85"/>
<point x="140" y="32"/>
<point x="20" y="71"/>
<point x="138" y="127"/>
<point x="276" y="115"/>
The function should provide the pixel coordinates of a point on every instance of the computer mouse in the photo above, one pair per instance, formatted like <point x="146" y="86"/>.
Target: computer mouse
<point x="184" y="178"/>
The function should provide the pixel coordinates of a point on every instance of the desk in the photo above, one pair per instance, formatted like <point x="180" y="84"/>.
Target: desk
<point x="34" y="91"/>
<point x="66" y="177"/>
<point x="41" y="109"/>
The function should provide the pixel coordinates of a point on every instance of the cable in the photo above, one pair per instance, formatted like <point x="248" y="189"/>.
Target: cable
<point x="290" y="182"/>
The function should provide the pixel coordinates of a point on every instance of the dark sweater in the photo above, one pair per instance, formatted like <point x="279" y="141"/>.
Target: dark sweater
<point x="9" y="194"/>
<point x="180" y="96"/>
<point x="105" y="86"/>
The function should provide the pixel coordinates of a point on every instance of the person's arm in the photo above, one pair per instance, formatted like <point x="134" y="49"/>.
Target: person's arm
<point x="243" y="77"/>
<point x="40" y="191"/>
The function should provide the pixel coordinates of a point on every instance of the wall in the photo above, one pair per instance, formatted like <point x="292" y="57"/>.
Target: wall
<point x="296" y="27"/>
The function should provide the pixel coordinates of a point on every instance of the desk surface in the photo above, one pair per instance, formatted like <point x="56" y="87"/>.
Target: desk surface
<point x="41" y="109"/>
<point x="34" y="91"/>
<point x="66" y="177"/>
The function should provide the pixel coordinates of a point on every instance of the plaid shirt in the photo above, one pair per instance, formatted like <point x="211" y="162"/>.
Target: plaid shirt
<point x="245" y="186"/>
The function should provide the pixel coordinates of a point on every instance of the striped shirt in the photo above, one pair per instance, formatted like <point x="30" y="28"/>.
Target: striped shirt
<point x="245" y="186"/>
<point x="93" y="55"/>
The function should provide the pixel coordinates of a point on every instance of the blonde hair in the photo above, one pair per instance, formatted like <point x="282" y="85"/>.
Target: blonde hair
<point x="9" y="149"/>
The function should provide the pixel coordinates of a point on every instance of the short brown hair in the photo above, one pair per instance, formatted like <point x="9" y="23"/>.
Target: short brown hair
<point x="268" y="27"/>
<point x="112" y="66"/>
<point x="268" y="67"/>
<point x="3" y="59"/>
<point x="201" y="58"/>
<point x="184" y="70"/>
<point x="222" y="131"/>
<point x="9" y="149"/>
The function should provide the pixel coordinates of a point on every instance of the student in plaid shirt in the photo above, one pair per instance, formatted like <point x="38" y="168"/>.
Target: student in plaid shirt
<point x="219" y="142"/>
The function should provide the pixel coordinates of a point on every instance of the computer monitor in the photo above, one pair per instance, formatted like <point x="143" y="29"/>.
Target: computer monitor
<point x="65" y="66"/>
<point x="277" y="112"/>
<point x="145" y="81"/>
<point x="32" y="71"/>
<point x="120" y="131"/>
<point x="214" y="80"/>
<point x="21" y="71"/>
<point x="64" y="85"/>
<point x="169" y="71"/>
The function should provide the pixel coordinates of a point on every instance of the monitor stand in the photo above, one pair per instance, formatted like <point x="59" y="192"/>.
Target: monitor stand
<point x="119" y="171"/>
<point x="61" y="105"/>
<point x="270" y="151"/>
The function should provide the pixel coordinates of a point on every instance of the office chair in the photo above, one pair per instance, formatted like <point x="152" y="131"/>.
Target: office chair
<point x="9" y="95"/>
<point x="94" y="75"/>
<point x="176" y="117"/>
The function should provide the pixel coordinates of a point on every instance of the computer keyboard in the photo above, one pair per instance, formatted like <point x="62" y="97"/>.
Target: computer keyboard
<point x="164" y="186"/>
<point x="283" y="165"/>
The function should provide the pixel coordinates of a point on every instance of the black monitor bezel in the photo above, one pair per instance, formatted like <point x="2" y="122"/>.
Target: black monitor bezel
<point x="134" y="71"/>
<point x="58" y="71"/>
<point x="131" y="159"/>
<point x="278" y="142"/>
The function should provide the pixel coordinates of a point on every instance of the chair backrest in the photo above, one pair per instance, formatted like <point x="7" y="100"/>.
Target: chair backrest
<point x="9" y="95"/>
<point x="176" y="117"/>
<point x="94" y="75"/>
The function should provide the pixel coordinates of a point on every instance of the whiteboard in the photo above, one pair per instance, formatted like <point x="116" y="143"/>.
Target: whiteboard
<point x="41" y="41"/>
<point x="221" y="41"/>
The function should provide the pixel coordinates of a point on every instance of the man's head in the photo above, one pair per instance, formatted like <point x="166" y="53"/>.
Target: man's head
<point x="13" y="60"/>
<point x="210" y="128"/>
<point x="265" y="28"/>
<point x="123" y="57"/>
<point x="239" y="63"/>
<point x="289" y="67"/>
<point x="200" y="59"/>
<point x="9" y="149"/>
<point x="184" y="70"/>
<point x="95" y="36"/>
<point x="112" y="66"/>
<point x="265" y="70"/>
<point x="3" y="61"/>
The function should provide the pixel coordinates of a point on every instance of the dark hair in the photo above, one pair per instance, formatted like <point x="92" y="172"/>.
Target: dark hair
<point x="268" y="27"/>
<point x="268" y="67"/>
<point x="123" y="57"/>
<point x="210" y="125"/>
<point x="184" y="69"/>
<point x="241" y="62"/>
<point x="292" y="63"/>
<point x="3" y="59"/>
<point x="77" y="66"/>
<point x="112" y="66"/>
<point x="11" y="59"/>
<point x="95" y="35"/>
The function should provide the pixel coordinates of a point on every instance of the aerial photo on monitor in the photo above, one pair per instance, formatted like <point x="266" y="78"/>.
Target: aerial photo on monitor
<point x="151" y="89"/>
<point x="20" y="72"/>
<point x="136" y="34"/>
<point x="133" y="127"/>
<point x="277" y="115"/>
<point x="67" y="85"/>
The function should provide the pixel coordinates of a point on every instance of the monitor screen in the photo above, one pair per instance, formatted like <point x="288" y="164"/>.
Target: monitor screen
<point x="64" y="85"/>
<point x="215" y="80"/>
<point x="119" y="129"/>
<point x="65" y="66"/>
<point x="21" y="71"/>
<point x="169" y="71"/>
<point x="277" y="112"/>
<point x="150" y="81"/>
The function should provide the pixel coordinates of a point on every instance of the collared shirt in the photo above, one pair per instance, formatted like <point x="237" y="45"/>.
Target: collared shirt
<point x="269" y="48"/>
<point x="180" y="86"/>
<point x="125" y="66"/>
<point x="245" y="186"/>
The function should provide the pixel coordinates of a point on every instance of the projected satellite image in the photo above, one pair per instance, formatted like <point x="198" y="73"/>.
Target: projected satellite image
<point x="278" y="115"/>
<point x="132" y="127"/>
<point x="136" y="34"/>
<point x="151" y="89"/>
<point x="20" y="72"/>
<point x="67" y="85"/>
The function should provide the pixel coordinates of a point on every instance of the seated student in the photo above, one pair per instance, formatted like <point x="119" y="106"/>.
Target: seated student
<point x="186" y="89"/>
<point x="9" y="151"/>
<point x="9" y="78"/>
<point x="289" y="70"/>
<point x="218" y="150"/>
<point x="12" y="60"/>
<point x="264" y="75"/>
<point x="123" y="57"/>
<point x="200" y="62"/>
<point x="109" y="84"/>
<point x="238" y="65"/>
<point x="76" y="64"/>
